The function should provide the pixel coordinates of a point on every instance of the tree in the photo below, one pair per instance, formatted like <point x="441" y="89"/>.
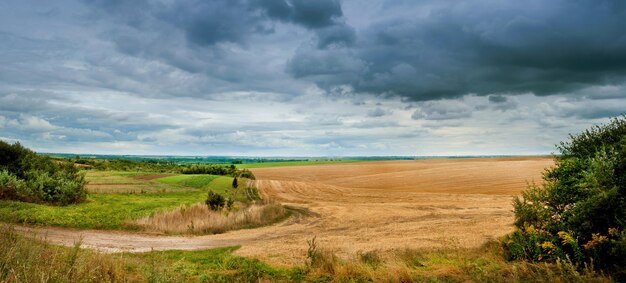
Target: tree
<point x="579" y="212"/>
<point x="235" y="185"/>
<point x="26" y="176"/>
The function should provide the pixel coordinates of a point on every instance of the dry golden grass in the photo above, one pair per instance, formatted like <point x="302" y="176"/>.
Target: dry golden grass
<point x="482" y="264"/>
<point x="26" y="260"/>
<point x="199" y="219"/>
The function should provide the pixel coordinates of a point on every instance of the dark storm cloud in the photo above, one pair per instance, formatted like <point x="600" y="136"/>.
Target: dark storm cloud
<point x="481" y="47"/>
<point x="497" y="98"/>
<point x="311" y="14"/>
<point x="337" y="35"/>
<point x="206" y="23"/>
<point x="223" y="42"/>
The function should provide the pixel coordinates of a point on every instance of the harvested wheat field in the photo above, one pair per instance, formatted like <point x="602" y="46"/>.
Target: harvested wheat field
<point x="364" y="206"/>
<point x="395" y="204"/>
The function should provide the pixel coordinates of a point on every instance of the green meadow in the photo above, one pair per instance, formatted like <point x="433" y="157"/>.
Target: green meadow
<point x="108" y="208"/>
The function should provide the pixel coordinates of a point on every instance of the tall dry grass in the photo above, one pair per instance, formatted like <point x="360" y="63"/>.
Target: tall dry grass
<point x="485" y="264"/>
<point x="28" y="260"/>
<point x="199" y="219"/>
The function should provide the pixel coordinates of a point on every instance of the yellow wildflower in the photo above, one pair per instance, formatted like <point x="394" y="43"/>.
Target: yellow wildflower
<point x="547" y="245"/>
<point x="566" y="238"/>
<point x="596" y="239"/>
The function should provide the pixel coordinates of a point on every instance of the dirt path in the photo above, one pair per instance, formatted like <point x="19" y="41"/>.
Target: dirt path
<point x="359" y="207"/>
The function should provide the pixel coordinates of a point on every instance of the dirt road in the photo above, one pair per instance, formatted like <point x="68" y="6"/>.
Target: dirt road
<point x="361" y="207"/>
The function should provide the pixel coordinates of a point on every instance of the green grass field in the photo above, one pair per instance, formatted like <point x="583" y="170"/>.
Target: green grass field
<point x="101" y="211"/>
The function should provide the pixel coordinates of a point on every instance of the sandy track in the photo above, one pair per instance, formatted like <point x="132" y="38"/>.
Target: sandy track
<point x="359" y="207"/>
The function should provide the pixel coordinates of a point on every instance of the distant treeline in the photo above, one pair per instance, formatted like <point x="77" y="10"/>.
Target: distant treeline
<point x="213" y="169"/>
<point x="160" y="166"/>
<point x="219" y="159"/>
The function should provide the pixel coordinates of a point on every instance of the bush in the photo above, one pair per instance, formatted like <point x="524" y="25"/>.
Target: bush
<point x="578" y="214"/>
<point x="215" y="201"/>
<point x="235" y="184"/>
<point x="26" y="176"/>
<point x="245" y="173"/>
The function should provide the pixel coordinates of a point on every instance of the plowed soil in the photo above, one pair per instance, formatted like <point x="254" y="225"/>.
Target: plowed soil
<point x="361" y="207"/>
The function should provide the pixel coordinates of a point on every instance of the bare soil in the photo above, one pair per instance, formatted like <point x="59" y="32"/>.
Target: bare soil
<point x="360" y="207"/>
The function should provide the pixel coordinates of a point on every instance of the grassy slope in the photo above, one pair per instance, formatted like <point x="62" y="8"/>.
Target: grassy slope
<point x="101" y="211"/>
<point x="112" y="210"/>
<point x="219" y="184"/>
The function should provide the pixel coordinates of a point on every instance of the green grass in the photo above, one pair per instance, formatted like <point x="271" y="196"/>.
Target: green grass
<point x="101" y="211"/>
<point x="111" y="209"/>
<point x="222" y="185"/>
<point x="217" y="265"/>
<point x="194" y="181"/>
<point x="295" y="163"/>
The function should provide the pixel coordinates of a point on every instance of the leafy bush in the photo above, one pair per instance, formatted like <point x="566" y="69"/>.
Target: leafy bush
<point x="26" y="176"/>
<point x="245" y="173"/>
<point x="578" y="214"/>
<point x="215" y="201"/>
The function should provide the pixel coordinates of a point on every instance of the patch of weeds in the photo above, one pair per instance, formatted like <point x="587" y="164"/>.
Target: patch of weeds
<point x="370" y="258"/>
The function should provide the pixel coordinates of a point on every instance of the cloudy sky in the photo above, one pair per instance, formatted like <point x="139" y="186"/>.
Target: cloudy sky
<point x="308" y="77"/>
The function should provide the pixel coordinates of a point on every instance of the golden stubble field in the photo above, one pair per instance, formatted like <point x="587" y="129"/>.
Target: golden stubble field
<point x="392" y="204"/>
<point x="359" y="207"/>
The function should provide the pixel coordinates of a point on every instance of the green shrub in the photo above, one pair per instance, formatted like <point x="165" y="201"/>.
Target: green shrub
<point x="215" y="201"/>
<point x="26" y="176"/>
<point x="245" y="173"/>
<point x="9" y="185"/>
<point x="579" y="212"/>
